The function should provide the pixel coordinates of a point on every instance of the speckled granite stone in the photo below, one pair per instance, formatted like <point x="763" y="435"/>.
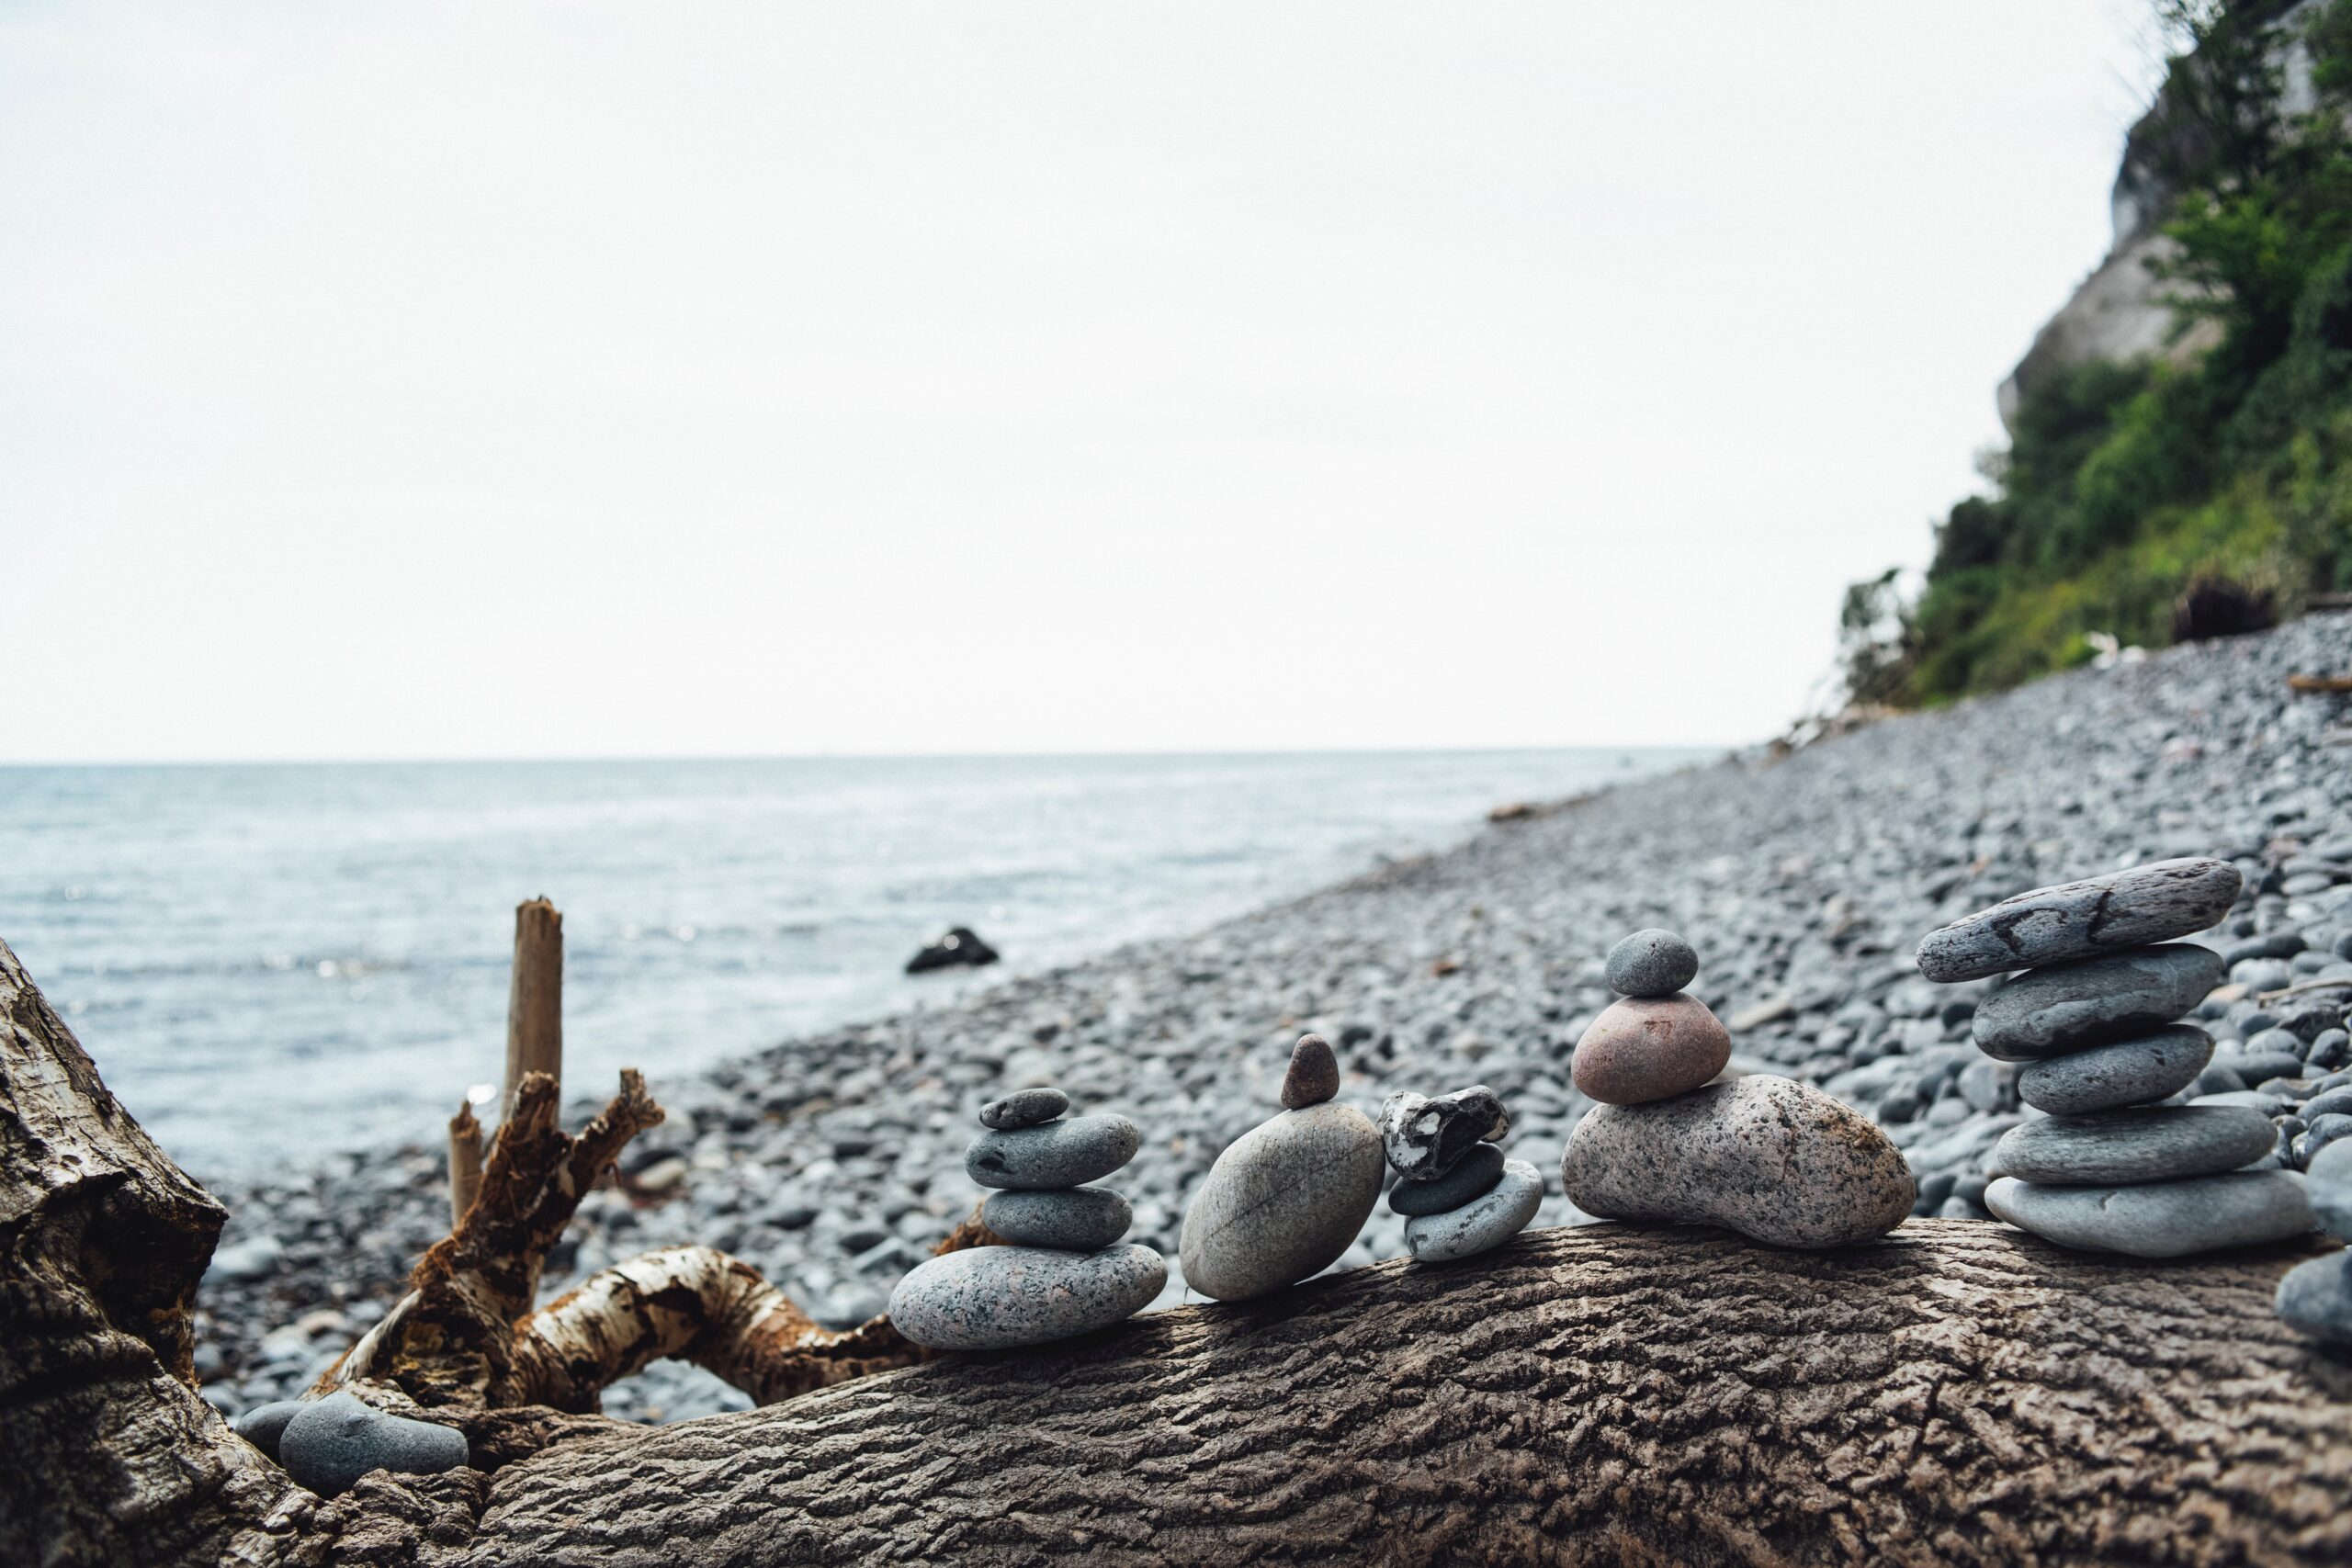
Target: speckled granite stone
<point x="2047" y="1012"/>
<point x="1425" y="1137"/>
<point x="2149" y="1143"/>
<point x="991" y="1298"/>
<point x="2168" y="1219"/>
<point x="1282" y="1202"/>
<point x="1645" y="1048"/>
<point x="1774" y="1160"/>
<point x="1482" y="1225"/>
<point x="1079" y="1219"/>
<point x="1474" y="1177"/>
<point x="2130" y="1072"/>
<point x="2081" y="919"/>
<point x="1054" y="1154"/>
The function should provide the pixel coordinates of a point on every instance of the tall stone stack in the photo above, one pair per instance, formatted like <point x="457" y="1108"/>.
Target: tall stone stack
<point x="2116" y="1163"/>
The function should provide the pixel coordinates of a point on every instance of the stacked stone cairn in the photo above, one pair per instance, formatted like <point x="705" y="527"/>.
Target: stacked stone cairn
<point x="1288" y="1196"/>
<point x="1062" y="1272"/>
<point x="1674" y="1143"/>
<point x="2120" y="1162"/>
<point x="1458" y="1195"/>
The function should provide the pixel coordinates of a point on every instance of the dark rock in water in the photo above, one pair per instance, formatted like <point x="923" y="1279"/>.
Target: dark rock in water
<point x="1023" y="1108"/>
<point x="2047" y="1012"/>
<point x="2083" y="920"/>
<point x="2155" y="1143"/>
<point x="1651" y="963"/>
<point x="1075" y="1219"/>
<point x="1474" y="1177"/>
<point x="1314" y="1074"/>
<point x="264" y="1424"/>
<point x="961" y="945"/>
<point x="1053" y="1154"/>
<point x="332" y="1442"/>
<point x="1424" y="1138"/>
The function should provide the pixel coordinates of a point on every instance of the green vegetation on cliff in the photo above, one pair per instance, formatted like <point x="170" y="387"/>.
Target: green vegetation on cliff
<point x="2146" y="502"/>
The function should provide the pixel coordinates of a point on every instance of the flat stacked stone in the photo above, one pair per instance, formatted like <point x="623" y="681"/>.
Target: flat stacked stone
<point x="1061" y="1271"/>
<point x="1459" y="1196"/>
<point x="1671" y="1143"/>
<point x="2114" y="1165"/>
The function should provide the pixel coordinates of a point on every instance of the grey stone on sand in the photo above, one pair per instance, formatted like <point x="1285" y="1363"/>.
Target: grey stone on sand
<point x="1077" y="1219"/>
<point x="2167" y="1219"/>
<point x="333" y="1441"/>
<point x="2129" y="1072"/>
<point x="2316" y="1298"/>
<point x="2047" y="1012"/>
<point x="264" y="1424"/>
<point x="1482" y="1225"/>
<point x="1314" y="1074"/>
<point x="2328" y="1179"/>
<point x="1425" y="1137"/>
<point x="2153" y="1143"/>
<point x="1023" y="1108"/>
<point x="1282" y="1202"/>
<point x="1651" y="963"/>
<point x="1474" y="1177"/>
<point x="1774" y="1160"/>
<point x="2083" y="920"/>
<point x="1053" y="1154"/>
<point x="993" y="1298"/>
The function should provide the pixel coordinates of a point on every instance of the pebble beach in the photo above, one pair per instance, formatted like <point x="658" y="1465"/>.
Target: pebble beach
<point x="1802" y="879"/>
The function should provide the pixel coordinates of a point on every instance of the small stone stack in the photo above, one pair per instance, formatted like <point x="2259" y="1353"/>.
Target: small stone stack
<point x="2116" y="1164"/>
<point x="1458" y="1195"/>
<point x="1061" y="1272"/>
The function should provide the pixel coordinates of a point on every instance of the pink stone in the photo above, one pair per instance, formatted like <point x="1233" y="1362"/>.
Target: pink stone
<point x="1645" y="1048"/>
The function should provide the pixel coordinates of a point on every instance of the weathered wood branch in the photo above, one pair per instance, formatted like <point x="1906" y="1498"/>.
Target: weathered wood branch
<point x="535" y="999"/>
<point x="465" y="1162"/>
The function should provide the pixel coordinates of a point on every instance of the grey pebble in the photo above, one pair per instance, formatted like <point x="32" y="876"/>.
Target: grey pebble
<point x="2045" y="1013"/>
<point x="1079" y="1219"/>
<point x="1474" y="1177"/>
<point x="2145" y="1144"/>
<point x="993" y="1298"/>
<point x="2168" y="1219"/>
<point x="1425" y="1137"/>
<point x="2316" y="1298"/>
<point x="1023" y="1108"/>
<point x="2081" y="919"/>
<point x="1283" y="1201"/>
<point x="2129" y="1072"/>
<point x="1313" y="1076"/>
<point x="1482" y="1225"/>
<point x="333" y="1441"/>
<point x="2328" y="1181"/>
<point x="1651" y="963"/>
<point x="264" y="1424"/>
<point x="1053" y="1154"/>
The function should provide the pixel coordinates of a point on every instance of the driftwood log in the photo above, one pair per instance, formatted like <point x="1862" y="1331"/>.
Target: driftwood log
<point x="1958" y="1393"/>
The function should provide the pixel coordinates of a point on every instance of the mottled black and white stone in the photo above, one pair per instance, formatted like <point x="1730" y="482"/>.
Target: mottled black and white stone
<point x="1023" y="1108"/>
<point x="2047" y="1012"/>
<point x="1474" y="1177"/>
<point x="2154" y="1143"/>
<point x="1077" y="1219"/>
<point x="2166" y="1219"/>
<point x="1426" y="1136"/>
<point x="333" y="1441"/>
<point x="2316" y="1298"/>
<point x="993" y="1298"/>
<point x="1053" y="1154"/>
<point x="1651" y="963"/>
<point x="264" y="1424"/>
<point x="2129" y="1072"/>
<point x="2083" y="920"/>
<point x="1482" y="1225"/>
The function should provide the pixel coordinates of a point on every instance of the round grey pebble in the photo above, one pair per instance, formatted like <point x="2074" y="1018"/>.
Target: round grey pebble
<point x="993" y="1298"/>
<point x="1077" y="1219"/>
<point x="2129" y="1072"/>
<point x="2047" y="1012"/>
<point x="1483" y="1224"/>
<point x="2146" y="1144"/>
<point x="2316" y="1298"/>
<point x="2169" y="1219"/>
<point x="1474" y="1177"/>
<point x="1023" y="1108"/>
<point x="2328" y="1181"/>
<point x="264" y="1424"/>
<point x="2081" y="919"/>
<point x="1651" y="963"/>
<point x="332" y="1442"/>
<point x="1053" y="1154"/>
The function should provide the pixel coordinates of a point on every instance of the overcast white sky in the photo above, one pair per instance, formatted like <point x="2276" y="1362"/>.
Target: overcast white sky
<point x="406" y="379"/>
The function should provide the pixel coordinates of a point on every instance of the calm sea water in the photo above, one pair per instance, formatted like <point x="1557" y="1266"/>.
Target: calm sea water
<point x="273" y="962"/>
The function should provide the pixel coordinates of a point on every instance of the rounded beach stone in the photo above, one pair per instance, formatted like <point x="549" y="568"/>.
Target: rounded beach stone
<point x="1645" y="1048"/>
<point x="332" y="1442"/>
<point x="2083" y="920"/>
<point x="1425" y="1137"/>
<point x="2168" y="1219"/>
<point x="1314" y="1074"/>
<point x="991" y="1298"/>
<point x="2047" y="1012"/>
<point x="264" y="1424"/>
<point x="1023" y="1108"/>
<point x="1774" y="1160"/>
<point x="1474" y="1177"/>
<point x="1651" y="963"/>
<point x="2316" y="1298"/>
<point x="1053" y="1154"/>
<point x="1482" y="1225"/>
<point x="2155" y="1143"/>
<point x="2130" y="1072"/>
<point x="2328" y="1179"/>
<point x="1282" y="1202"/>
<point x="1077" y="1219"/>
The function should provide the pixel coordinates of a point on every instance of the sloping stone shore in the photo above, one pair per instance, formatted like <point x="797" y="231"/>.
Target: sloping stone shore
<point x="833" y="1162"/>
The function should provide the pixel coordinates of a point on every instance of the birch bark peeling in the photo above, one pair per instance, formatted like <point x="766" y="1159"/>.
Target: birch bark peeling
<point x="465" y="1162"/>
<point x="534" y="998"/>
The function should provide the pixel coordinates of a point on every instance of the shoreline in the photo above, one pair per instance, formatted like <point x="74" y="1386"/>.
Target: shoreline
<point x="832" y="1162"/>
